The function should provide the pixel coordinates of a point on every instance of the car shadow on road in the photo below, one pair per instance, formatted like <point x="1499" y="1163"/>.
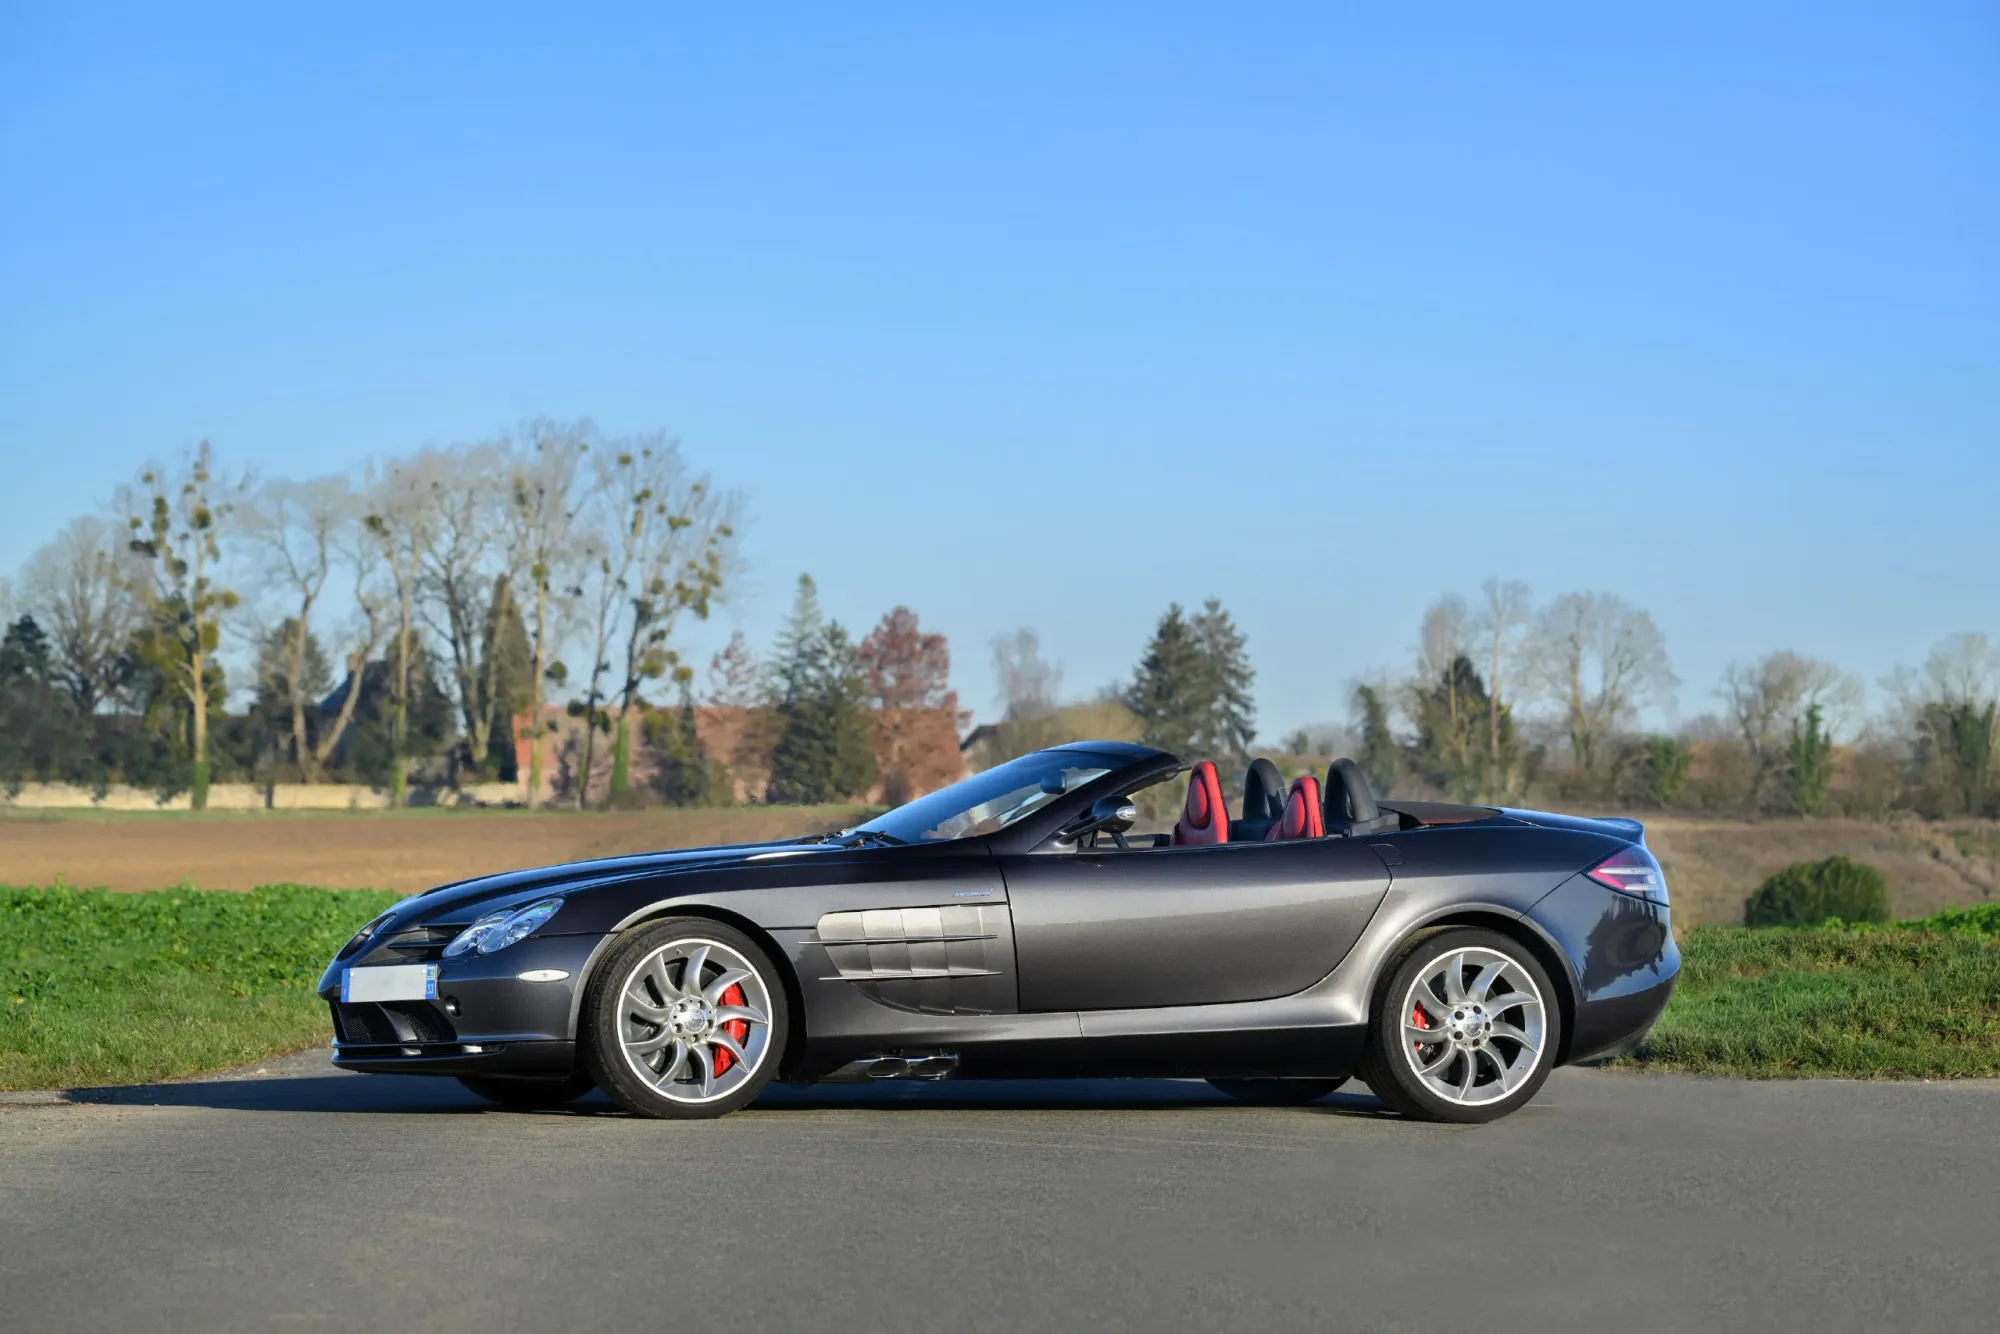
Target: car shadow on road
<point x="1033" y="1095"/>
<point x="342" y="1093"/>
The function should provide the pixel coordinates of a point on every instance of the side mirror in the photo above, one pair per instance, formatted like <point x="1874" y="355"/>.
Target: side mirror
<point x="1113" y="815"/>
<point x="1109" y="815"/>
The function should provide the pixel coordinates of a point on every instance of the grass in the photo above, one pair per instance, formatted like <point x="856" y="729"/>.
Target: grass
<point x="1911" y="1000"/>
<point x="101" y="988"/>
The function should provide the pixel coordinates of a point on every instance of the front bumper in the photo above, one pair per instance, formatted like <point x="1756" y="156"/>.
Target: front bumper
<point x="486" y="1018"/>
<point x="537" y="1059"/>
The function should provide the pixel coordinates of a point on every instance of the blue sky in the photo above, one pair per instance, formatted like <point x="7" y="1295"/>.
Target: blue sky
<point x="1047" y="315"/>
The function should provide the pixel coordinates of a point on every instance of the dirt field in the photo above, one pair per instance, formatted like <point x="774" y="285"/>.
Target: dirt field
<point x="406" y="850"/>
<point x="1711" y="864"/>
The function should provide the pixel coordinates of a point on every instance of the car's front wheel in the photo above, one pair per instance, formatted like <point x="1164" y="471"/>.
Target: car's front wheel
<point x="686" y="1019"/>
<point x="1464" y="1027"/>
<point x="530" y="1095"/>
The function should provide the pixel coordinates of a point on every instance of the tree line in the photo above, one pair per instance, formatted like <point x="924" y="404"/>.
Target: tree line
<point x="1508" y="701"/>
<point x="1513" y="701"/>
<point x="399" y="626"/>
<point x="403" y="624"/>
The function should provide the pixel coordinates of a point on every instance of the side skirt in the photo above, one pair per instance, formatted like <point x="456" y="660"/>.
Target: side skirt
<point x="1327" y="1052"/>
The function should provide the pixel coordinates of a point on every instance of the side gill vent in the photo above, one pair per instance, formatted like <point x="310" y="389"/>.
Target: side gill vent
<point x="954" y="959"/>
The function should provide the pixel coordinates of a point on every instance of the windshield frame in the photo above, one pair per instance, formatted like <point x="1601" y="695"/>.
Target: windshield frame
<point x="909" y="821"/>
<point x="1132" y="767"/>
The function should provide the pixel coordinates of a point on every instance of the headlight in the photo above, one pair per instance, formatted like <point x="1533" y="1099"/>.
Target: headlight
<point x="498" y="930"/>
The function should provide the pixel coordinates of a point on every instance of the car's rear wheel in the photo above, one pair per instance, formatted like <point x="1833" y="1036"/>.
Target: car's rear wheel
<point x="530" y="1095"/>
<point x="1464" y="1027"/>
<point x="1277" y="1092"/>
<point x="686" y="1019"/>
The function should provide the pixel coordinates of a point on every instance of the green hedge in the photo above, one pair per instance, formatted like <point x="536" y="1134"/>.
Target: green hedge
<point x="1808" y="893"/>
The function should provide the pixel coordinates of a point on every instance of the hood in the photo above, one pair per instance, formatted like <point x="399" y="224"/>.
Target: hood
<point x="467" y="898"/>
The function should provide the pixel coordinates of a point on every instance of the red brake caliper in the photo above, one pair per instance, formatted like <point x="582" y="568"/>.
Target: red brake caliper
<point x="1417" y="1020"/>
<point x="736" y="1028"/>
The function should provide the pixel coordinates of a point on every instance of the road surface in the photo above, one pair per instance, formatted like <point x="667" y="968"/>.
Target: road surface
<point x="304" y="1198"/>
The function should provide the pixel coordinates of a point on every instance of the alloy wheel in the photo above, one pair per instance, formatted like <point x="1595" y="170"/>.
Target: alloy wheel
<point x="694" y="1020"/>
<point x="1474" y="1025"/>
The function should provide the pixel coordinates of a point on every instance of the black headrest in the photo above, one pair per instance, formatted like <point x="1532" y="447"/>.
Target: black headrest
<point x="1264" y="791"/>
<point x="1348" y="799"/>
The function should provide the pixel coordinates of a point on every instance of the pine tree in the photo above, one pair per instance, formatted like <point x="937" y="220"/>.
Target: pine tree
<point x="40" y="736"/>
<point x="794" y="658"/>
<point x="684" y="776"/>
<point x="1459" y="730"/>
<point x="1381" y="756"/>
<point x="826" y="746"/>
<point x="1170" y="689"/>
<point x="1230" y="719"/>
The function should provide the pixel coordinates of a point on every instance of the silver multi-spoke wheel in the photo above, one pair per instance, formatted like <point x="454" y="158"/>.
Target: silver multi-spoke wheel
<point x="694" y="1020"/>
<point x="1474" y="1026"/>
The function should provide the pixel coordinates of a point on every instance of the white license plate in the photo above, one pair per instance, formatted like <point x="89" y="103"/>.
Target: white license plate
<point x="390" y="982"/>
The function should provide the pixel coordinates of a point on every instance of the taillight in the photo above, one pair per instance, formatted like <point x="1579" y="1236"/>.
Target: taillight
<point x="1633" y="871"/>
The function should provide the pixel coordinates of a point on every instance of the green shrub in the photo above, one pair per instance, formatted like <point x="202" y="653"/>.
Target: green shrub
<point x="1979" y="920"/>
<point x="1808" y="893"/>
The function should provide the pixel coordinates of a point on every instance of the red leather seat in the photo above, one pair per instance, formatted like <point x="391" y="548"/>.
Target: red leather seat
<point x="1204" y="819"/>
<point x="1302" y="818"/>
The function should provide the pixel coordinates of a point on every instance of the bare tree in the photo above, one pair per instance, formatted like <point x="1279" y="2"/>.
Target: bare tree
<point x="1030" y="685"/>
<point x="1444" y="638"/>
<point x="542" y="476"/>
<point x="606" y="548"/>
<point x="1961" y="669"/>
<point x="176" y="524"/>
<point x="304" y="532"/>
<point x="1952" y="711"/>
<point x="1500" y="629"/>
<point x="1599" y="660"/>
<point x="1443" y="644"/>
<point x="1030" y="697"/>
<point x="1768" y="697"/>
<point x="401" y="505"/>
<point x="79" y="590"/>
<point x="461" y="556"/>
<point x="673" y="544"/>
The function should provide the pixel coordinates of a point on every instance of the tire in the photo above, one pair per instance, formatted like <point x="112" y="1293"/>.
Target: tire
<point x="1276" y="1092"/>
<point x="530" y="1095"/>
<point x="1508" y="1050"/>
<point x="661" y="1051"/>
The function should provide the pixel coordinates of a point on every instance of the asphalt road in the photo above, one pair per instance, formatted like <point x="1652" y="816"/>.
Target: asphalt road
<point x="305" y="1198"/>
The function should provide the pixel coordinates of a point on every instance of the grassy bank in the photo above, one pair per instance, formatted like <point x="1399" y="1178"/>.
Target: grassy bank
<point x="100" y="988"/>
<point x="1914" y="1000"/>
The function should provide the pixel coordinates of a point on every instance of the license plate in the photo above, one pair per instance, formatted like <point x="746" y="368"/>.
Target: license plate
<point x="390" y="982"/>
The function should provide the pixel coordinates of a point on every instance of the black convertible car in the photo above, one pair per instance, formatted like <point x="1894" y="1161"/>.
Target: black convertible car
<point x="1012" y="925"/>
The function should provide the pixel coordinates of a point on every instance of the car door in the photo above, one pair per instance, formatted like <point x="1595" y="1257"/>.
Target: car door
<point x="1109" y="930"/>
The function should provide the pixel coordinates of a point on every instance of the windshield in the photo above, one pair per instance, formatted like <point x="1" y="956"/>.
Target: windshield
<point x="990" y="801"/>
